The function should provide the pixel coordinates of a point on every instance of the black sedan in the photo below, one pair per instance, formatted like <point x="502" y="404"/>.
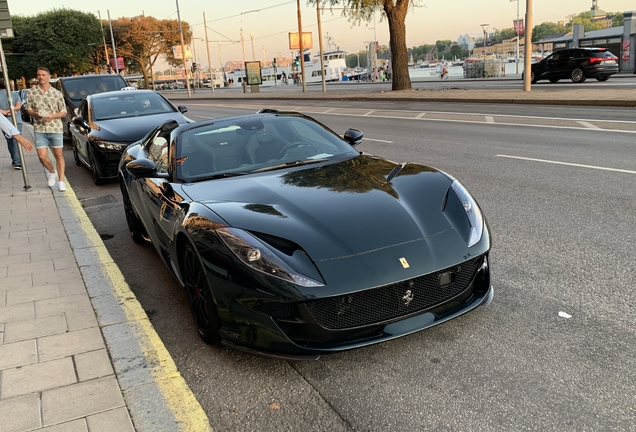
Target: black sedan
<point x="289" y="242"/>
<point x="577" y="64"/>
<point x="108" y="122"/>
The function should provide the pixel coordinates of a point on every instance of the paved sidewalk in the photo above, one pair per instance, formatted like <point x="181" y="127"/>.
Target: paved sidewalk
<point x="77" y="351"/>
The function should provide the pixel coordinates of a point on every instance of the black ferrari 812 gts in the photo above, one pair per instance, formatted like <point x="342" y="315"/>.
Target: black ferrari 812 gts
<point x="291" y="243"/>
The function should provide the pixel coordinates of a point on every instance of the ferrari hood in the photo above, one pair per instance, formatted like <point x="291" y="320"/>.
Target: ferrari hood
<point x="334" y="211"/>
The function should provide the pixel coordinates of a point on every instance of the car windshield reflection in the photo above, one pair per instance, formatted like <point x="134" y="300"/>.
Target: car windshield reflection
<point x="256" y="144"/>
<point x="130" y="104"/>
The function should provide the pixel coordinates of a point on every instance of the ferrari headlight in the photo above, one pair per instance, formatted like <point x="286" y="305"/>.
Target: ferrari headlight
<point x="257" y="255"/>
<point x="473" y="212"/>
<point x="111" y="145"/>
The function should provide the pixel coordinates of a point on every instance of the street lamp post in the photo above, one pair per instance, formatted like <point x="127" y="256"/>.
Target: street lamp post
<point x="183" y="52"/>
<point x="518" y="36"/>
<point x="527" y="60"/>
<point x="484" y="27"/>
<point x="252" y="39"/>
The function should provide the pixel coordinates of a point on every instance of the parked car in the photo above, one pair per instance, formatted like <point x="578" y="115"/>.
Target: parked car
<point x="577" y="64"/>
<point x="290" y="243"/>
<point x="76" y="88"/>
<point x="108" y="122"/>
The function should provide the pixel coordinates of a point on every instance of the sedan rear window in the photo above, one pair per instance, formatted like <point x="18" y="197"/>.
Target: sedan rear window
<point x="602" y="54"/>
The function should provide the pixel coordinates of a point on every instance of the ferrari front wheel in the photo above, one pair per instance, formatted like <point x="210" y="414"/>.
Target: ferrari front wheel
<point x="135" y="227"/>
<point x="199" y="295"/>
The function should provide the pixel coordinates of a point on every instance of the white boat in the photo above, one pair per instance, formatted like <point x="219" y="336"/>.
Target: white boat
<point x="335" y="69"/>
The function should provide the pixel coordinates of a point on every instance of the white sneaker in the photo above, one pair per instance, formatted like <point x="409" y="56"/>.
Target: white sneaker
<point x="61" y="186"/>
<point x="51" y="177"/>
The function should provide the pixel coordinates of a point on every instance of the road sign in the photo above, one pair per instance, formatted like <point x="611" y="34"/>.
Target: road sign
<point x="6" y="27"/>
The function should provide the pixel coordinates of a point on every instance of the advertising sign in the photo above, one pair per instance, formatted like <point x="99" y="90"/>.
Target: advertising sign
<point x="253" y="70"/>
<point x="626" y="51"/>
<point x="294" y="41"/>
<point x="518" y="26"/>
<point x="120" y="63"/>
<point x="176" y="52"/>
<point x="6" y="27"/>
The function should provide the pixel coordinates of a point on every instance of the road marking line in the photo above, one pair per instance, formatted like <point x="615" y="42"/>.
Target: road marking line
<point x="420" y="115"/>
<point x="371" y="139"/>
<point x="369" y="113"/>
<point x="489" y="119"/>
<point x="329" y="110"/>
<point x="588" y="125"/>
<point x="568" y="164"/>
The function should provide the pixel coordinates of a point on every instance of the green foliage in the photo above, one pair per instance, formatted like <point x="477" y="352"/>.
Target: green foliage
<point x="353" y="60"/>
<point x="548" y="28"/>
<point x="62" y="40"/>
<point x="618" y="19"/>
<point x="502" y="35"/>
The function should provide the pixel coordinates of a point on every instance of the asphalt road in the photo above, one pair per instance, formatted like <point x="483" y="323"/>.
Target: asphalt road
<point x="559" y="199"/>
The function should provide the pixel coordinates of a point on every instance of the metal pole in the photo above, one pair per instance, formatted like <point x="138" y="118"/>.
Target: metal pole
<point x="207" y="47"/>
<point x="518" y="36"/>
<point x="252" y="39"/>
<point x="103" y="38"/>
<point x="221" y="62"/>
<point x="25" y="177"/>
<point x="194" y="61"/>
<point x="302" y="48"/>
<point x="244" y="79"/>
<point x="527" y="63"/>
<point x="183" y="52"/>
<point x="112" y="41"/>
<point x="322" y="59"/>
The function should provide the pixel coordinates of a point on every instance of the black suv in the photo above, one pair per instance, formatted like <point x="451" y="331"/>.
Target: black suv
<point x="577" y="64"/>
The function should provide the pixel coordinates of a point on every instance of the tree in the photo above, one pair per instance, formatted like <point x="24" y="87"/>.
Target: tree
<point x="548" y="28"/>
<point x="355" y="60"/>
<point x="585" y="18"/>
<point x="62" y="40"/>
<point x="142" y="39"/>
<point x="395" y="12"/>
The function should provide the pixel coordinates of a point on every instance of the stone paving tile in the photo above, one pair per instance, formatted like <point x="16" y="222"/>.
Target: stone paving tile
<point x="54" y="277"/>
<point x="113" y="420"/>
<point x="67" y="344"/>
<point x="30" y="268"/>
<point x="18" y="354"/>
<point x="17" y="296"/>
<point x="80" y="400"/>
<point x="94" y="364"/>
<point x="24" y="281"/>
<point x="26" y="234"/>
<point x="34" y="328"/>
<point x="17" y="312"/>
<point x="20" y="414"/>
<point x="72" y="287"/>
<point x="72" y="426"/>
<point x="37" y="377"/>
<point x="77" y="308"/>
<point x="10" y="260"/>
<point x="64" y="262"/>
<point x="27" y="248"/>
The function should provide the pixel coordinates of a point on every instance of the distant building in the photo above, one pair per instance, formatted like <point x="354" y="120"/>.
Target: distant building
<point x="467" y="41"/>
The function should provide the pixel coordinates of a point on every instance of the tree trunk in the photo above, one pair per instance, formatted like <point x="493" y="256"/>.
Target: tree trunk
<point x="396" y="16"/>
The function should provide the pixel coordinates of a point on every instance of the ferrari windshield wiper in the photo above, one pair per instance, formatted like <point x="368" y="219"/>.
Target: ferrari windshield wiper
<point x="221" y="175"/>
<point x="290" y="164"/>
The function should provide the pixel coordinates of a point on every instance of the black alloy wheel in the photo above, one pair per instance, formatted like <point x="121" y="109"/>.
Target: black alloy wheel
<point x="78" y="162"/>
<point x="136" y="229"/>
<point x="533" y="78"/>
<point x="200" y="299"/>
<point x="96" y="178"/>
<point x="602" y="78"/>
<point x="577" y="75"/>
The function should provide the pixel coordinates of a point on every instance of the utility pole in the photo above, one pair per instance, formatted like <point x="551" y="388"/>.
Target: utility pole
<point x="322" y="57"/>
<point x="112" y="41"/>
<point x="527" y="60"/>
<point x="302" y="48"/>
<point x="252" y="39"/>
<point x="244" y="80"/>
<point x="517" y="27"/>
<point x="207" y="47"/>
<point x="183" y="52"/>
<point x="104" y="39"/>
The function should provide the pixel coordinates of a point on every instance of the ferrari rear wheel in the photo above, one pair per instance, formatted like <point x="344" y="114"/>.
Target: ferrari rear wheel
<point x="200" y="299"/>
<point x="134" y="224"/>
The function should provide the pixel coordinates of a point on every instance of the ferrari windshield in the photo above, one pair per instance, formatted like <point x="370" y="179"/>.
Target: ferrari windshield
<point x="246" y="145"/>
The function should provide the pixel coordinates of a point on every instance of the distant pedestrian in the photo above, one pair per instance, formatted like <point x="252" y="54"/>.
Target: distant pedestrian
<point x="5" y="110"/>
<point x="9" y="130"/>
<point x="46" y="106"/>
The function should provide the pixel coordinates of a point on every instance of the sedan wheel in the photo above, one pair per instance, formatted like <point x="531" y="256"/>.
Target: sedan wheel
<point x="78" y="162"/>
<point x="603" y="78"/>
<point x="96" y="178"/>
<point x="135" y="227"/>
<point x="577" y="75"/>
<point x="533" y="78"/>
<point x="202" y="306"/>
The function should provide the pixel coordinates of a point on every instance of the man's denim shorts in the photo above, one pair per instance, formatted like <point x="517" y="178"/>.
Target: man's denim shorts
<point x="54" y="140"/>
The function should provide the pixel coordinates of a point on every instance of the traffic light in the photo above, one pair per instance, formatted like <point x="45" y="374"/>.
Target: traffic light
<point x="274" y="63"/>
<point x="194" y="66"/>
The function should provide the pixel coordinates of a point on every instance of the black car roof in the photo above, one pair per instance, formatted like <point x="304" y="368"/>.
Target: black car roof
<point x="88" y="77"/>
<point x="120" y="92"/>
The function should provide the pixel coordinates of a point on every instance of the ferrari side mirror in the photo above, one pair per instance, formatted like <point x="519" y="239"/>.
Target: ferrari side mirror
<point x="353" y="136"/>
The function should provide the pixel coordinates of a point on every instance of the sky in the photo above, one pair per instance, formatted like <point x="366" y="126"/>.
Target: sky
<point x="269" y="21"/>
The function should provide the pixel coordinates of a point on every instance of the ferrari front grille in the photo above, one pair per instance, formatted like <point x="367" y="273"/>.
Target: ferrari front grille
<point x="394" y="301"/>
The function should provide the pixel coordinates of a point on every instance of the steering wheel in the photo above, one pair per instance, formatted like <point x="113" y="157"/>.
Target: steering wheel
<point x="290" y="146"/>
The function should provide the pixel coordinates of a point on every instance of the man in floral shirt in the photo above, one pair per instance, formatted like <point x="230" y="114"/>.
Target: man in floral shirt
<point x="46" y="106"/>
